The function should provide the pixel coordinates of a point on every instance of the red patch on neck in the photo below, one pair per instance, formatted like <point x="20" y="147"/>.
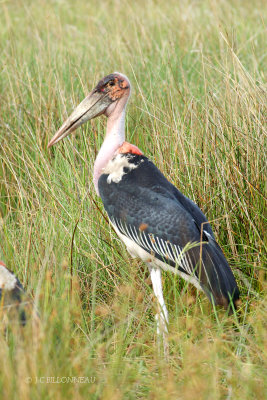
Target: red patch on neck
<point x="129" y="148"/>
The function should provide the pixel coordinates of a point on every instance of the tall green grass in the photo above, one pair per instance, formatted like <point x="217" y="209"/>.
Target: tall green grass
<point x="198" y="110"/>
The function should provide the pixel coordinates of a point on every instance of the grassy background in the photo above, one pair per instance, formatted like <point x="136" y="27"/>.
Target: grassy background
<point x="198" y="71"/>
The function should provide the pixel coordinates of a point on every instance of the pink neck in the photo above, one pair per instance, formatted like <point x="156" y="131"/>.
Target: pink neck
<point x="114" y="138"/>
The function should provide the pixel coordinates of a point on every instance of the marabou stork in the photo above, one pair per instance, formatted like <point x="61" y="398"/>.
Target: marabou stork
<point x="11" y="296"/>
<point x="150" y="215"/>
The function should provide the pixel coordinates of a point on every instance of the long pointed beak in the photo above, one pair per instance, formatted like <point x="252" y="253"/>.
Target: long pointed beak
<point x="92" y="106"/>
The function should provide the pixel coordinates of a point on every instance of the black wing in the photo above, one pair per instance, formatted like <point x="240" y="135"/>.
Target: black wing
<point x="148" y="209"/>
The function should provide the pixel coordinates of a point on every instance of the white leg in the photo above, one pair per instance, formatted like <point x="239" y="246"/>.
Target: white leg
<point x="162" y="316"/>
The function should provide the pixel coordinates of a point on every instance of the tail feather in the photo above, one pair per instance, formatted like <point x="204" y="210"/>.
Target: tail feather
<point x="216" y="276"/>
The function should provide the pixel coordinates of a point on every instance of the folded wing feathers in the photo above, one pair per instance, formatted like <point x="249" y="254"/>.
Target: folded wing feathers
<point x="158" y="246"/>
<point x="217" y="279"/>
